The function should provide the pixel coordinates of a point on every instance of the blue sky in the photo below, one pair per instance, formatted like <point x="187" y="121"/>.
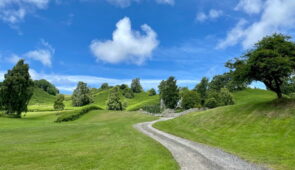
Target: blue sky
<point x="96" y="41"/>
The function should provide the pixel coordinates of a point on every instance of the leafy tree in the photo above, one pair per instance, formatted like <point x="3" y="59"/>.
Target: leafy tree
<point x="169" y="92"/>
<point x="58" y="104"/>
<point x="271" y="61"/>
<point x="128" y="93"/>
<point x="211" y="103"/>
<point x="136" y="86"/>
<point x="202" y="88"/>
<point x="226" y="80"/>
<point x="123" y="86"/>
<point x="189" y="99"/>
<point x="81" y="95"/>
<point x="104" y="86"/>
<point x="17" y="89"/>
<point x="288" y="86"/>
<point x="225" y="97"/>
<point x="46" y="86"/>
<point x="114" y="101"/>
<point x="152" y="92"/>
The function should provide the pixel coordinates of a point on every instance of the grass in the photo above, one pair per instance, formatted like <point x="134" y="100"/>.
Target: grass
<point x="98" y="140"/>
<point x="258" y="128"/>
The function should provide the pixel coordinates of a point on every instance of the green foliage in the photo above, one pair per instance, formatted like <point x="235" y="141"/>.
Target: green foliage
<point x="271" y="61"/>
<point x="136" y="86"/>
<point x="46" y="86"/>
<point x="17" y="89"/>
<point x="104" y="86"/>
<point x="189" y="99"/>
<point x="152" y="92"/>
<point x="114" y="101"/>
<point x="81" y="95"/>
<point x="226" y="80"/>
<point x="225" y="97"/>
<point x="152" y="108"/>
<point x="202" y="88"/>
<point x="211" y="103"/>
<point x="58" y="104"/>
<point x="128" y="93"/>
<point x="76" y="114"/>
<point x="169" y="92"/>
<point x="288" y="86"/>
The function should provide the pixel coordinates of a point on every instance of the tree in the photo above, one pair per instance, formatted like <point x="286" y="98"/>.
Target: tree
<point x="152" y="92"/>
<point x="271" y="61"/>
<point x="202" y="88"/>
<point x="135" y="86"/>
<point x="81" y="95"/>
<point x="225" y="97"/>
<point x="104" y="86"/>
<point x="211" y="103"/>
<point x="169" y="92"/>
<point x="288" y="86"/>
<point x="128" y="93"/>
<point x="189" y="99"/>
<point x="226" y="80"/>
<point x="17" y="89"/>
<point x="46" y="86"/>
<point x="58" y="104"/>
<point x="114" y="101"/>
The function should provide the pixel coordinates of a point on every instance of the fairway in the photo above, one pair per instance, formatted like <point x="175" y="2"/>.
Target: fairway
<point x="98" y="140"/>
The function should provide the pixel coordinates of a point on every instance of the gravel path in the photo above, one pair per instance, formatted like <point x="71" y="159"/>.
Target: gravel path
<point x="194" y="156"/>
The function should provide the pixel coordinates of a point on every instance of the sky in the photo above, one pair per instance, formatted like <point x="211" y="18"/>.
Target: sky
<point x="114" y="41"/>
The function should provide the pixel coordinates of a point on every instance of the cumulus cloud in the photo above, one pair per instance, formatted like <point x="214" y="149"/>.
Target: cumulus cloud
<point x="276" y="16"/>
<point x="250" y="6"/>
<point x="14" y="11"/>
<point x="126" y="44"/>
<point x="43" y="55"/>
<point x="212" y="14"/>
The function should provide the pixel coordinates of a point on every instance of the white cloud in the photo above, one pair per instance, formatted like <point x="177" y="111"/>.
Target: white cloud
<point x="169" y="2"/>
<point x="126" y="45"/>
<point x="212" y="14"/>
<point x="13" y="59"/>
<point x="277" y="16"/>
<point x="14" y="11"/>
<point x="43" y="55"/>
<point x="126" y="3"/>
<point x="250" y="6"/>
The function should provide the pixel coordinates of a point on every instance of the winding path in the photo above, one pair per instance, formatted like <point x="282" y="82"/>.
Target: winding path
<point x="194" y="156"/>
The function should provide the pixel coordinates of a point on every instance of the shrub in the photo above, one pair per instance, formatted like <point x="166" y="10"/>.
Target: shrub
<point x="152" y="92"/>
<point x="104" y="86"/>
<point x="114" y="101"/>
<point x="127" y="92"/>
<point x="189" y="99"/>
<point x="76" y="114"/>
<point x="58" y="104"/>
<point x="211" y="103"/>
<point x="225" y="97"/>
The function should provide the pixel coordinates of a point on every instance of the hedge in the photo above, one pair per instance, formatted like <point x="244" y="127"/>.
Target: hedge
<point x="76" y="114"/>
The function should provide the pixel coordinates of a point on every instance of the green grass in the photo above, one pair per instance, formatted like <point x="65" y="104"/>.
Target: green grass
<point x="98" y="140"/>
<point x="41" y="101"/>
<point x="258" y="128"/>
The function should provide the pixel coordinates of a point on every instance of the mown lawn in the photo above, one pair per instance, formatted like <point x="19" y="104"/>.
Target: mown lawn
<point x="259" y="128"/>
<point x="98" y="140"/>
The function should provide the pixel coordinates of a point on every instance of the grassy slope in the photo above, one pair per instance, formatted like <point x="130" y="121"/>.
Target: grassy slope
<point x="41" y="101"/>
<point x="99" y="140"/>
<point x="259" y="128"/>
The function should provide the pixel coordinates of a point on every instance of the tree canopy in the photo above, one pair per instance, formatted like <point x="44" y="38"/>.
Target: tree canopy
<point x="46" y="86"/>
<point x="136" y="86"/>
<point x="270" y="61"/>
<point x="58" y="103"/>
<point x="81" y="95"/>
<point x="202" y="88"/>
<point x="114" y="102"/>
<point x="17" y="89"/>
<point x="169" y="92"/>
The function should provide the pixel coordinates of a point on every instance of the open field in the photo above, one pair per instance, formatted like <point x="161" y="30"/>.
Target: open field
<point x="98" y="140"/>
<point x="259" y="128"/>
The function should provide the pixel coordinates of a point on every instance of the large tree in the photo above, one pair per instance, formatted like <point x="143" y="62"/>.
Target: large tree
<point x="169" y="92"/>
<point x="270" y="61"/>
<point x="136" y="86"/>
<point x="17" y="89"/>
<point x="81" y="95"/>
<point x="202" y="89"/>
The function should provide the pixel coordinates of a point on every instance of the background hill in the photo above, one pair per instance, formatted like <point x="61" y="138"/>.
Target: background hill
<point x="259" y="128"/>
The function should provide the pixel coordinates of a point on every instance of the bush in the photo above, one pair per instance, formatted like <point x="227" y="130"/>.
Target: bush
<point x="114" y="101"/>
<point x="211" y="103"/>
<point x="189" y="99"/>
<point x="152" y="108"/>
<point x="76" y="114"/>
<point x="152" y="92"/>
<point x="225" y="97"/>
<point x="128" y="93"/>
<point x="58" y="104"/>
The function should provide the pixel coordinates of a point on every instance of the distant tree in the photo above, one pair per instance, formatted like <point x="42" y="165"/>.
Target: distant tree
<point x="81" y="95"/>
<point x="226" y="80"/>
<point x="123" y="86"/>
<point x="211" y="103"/>
<point x="17" y="89"/>
<point x="46" y="86"/>
<point x="189" y="99"/>
<point x="202" y="88"/>
<point x="128" y="93"/>
<point x="225" y="97"/>
<point x="114" y="101"/>
<point x="169" y="92"/>
<point x="152" y="92"/>
<point x="271" y="61"/>
<point x="104" y="86"/>
<point x="136" y="86"/>
<point x="58" y="104"/>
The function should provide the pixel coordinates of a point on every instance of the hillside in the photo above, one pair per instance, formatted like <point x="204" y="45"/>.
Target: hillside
<point x="258" y="128"/>
<point x="41" y="100"/>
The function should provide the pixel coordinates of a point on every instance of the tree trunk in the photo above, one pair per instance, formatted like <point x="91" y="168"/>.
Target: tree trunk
<point x="279" y="94"/>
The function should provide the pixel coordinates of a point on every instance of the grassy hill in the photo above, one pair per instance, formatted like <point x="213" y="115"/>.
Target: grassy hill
<point x="98" y="140"/>
<point x="258" y="128"/>
<point x="41" y="101"/>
